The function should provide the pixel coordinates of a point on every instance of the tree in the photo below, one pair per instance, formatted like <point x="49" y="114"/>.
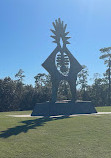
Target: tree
<point x="98" y="92"/>
<point x="20" y="75"/>
<point x="82" y="81"/>
<point x="27" y="101"/>
<point x="40" y="79"/>
<point x="8" y="94"/>
<point x="64" y="92"/>
<point x="106" y="55"/>
<point x="43" y="87"/>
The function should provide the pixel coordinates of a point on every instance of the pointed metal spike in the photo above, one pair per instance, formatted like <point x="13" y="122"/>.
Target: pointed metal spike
<point x="66" y="33"/>
<point x="59" y="20"/>
<point x="65" y="27"/>
<point x="54" y="25"/>
<point x="62" y="23"/>
<point x="53" y="37"/>
<point x="67" y="42"/>
<point x="53" y="31"/>
<point x="67" y="38"/>
<point x="56" y="22"/>
<point x="54" y="41"/>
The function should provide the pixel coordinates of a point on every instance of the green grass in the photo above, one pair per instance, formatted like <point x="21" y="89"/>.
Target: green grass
<point x="62" y="137"/>
<point x="104" y="109"/>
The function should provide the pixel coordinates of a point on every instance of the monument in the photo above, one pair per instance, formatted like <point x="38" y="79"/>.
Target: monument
<point x="62" y="65"/>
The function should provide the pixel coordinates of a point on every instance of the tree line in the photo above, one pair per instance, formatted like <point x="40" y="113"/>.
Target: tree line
<point x="15" y="95"/>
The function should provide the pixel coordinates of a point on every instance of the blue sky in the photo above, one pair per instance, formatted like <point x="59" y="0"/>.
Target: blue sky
<point x="25" y="40"/>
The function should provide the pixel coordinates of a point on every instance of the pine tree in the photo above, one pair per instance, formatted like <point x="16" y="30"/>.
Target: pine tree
<point x="107" y="60"/>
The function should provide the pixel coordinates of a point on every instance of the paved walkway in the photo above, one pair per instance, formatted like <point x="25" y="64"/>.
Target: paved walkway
<point x="99" y="113"/>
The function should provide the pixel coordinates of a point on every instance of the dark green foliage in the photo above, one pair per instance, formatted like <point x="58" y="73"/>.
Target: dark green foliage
<point x="14" y="95"/>
<point x="64" y="92"/>
<point x="43" y="87"/>
<point x="106" y="55"/>
<point x="98" y="92"/>
<point x="20" y="75"/>
<point x="7" y="94"/>
<point x="83" y="83"/>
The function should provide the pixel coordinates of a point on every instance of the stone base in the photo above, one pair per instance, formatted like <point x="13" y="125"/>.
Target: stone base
<point x="63" y="108"/>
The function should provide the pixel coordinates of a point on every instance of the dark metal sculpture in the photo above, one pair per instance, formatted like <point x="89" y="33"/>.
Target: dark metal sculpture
<point x="61" y="64"/>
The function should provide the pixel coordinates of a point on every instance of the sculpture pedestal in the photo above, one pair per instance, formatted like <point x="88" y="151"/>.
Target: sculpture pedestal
<point x="63" y="108"/>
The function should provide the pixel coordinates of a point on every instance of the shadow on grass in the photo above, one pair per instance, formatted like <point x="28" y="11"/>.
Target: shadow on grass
<point x="29" y="124"/>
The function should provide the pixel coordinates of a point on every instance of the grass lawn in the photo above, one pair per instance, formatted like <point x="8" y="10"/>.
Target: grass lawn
<point x="62" y="137"/>
<point x="104" y="109"/>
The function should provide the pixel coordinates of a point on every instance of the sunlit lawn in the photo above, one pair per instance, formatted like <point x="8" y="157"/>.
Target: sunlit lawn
<point x="62" y="137"/>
